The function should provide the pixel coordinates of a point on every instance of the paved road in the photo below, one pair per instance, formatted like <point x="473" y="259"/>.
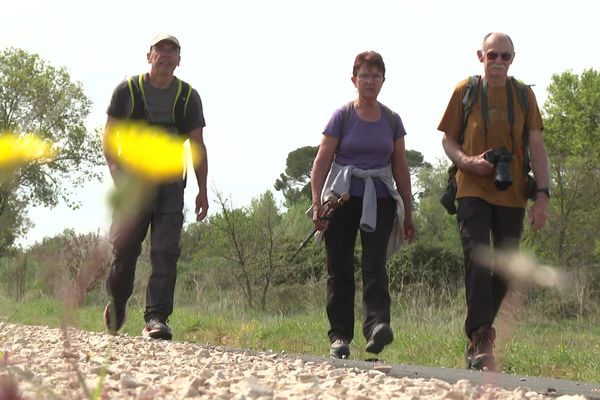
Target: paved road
<point x="546" y="386"/>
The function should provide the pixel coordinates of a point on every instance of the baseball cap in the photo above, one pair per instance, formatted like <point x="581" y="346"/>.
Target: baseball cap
<point x="165" y="36"/>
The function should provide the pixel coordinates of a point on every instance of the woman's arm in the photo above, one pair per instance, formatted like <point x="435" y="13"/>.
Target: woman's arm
<point x="321" y="166"/>
<point x="402" y="178"/>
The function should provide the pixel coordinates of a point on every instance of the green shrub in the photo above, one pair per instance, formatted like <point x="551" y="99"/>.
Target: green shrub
<point x="420" y="263"/>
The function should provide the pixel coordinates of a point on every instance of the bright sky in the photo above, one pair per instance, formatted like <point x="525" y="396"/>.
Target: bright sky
<point x="270" y="73"/>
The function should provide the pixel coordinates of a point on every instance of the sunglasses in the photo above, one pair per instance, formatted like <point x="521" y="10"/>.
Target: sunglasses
<point x="492" y="55"/>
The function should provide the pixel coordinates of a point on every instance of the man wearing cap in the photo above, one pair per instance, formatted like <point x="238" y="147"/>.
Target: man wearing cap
<point x="158" y="98"/>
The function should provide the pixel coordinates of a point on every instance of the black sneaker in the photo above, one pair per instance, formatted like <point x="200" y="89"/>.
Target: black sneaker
<point x="114" y="316"/>
<point x="155" y="329"/>
<point x="381" y="336"/>
<point x="339" y="349"/>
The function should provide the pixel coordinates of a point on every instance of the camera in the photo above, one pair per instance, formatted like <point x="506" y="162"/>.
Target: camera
<point x="501" y="159"/>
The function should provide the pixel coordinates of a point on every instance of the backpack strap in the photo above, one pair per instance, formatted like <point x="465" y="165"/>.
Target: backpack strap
<point x="523" y="96"/>
<point x="182" y="98"/>
<point x="347" y="111"/>
<point x="138" y="101"/>
<point x="468" y="99"/>
<point x="390" y="115"/>
<point x="136" y="95"/>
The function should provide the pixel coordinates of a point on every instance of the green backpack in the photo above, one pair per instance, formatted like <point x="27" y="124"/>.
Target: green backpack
<point x="470" y="96"/>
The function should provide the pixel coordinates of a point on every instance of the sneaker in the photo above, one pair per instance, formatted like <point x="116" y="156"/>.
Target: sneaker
<point x="381" y="336"/>
<point x="483" y="342"/>
<point x="339" y="349"/>
<point x="156" y="329"/>
<point x="114" y="316"/>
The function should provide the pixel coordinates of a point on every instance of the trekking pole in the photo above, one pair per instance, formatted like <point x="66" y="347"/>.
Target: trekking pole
<point x="332" y="202"/>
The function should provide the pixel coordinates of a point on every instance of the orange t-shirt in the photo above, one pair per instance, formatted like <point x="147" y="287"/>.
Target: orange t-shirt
<point x="498" y="135"/>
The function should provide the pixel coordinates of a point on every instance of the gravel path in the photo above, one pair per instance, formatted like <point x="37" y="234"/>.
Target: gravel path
<point x="47" y="363"/>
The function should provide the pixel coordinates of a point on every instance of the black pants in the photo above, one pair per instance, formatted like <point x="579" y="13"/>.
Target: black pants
<point x="165" y="219"/>
<point x="481" y="224"/>
<point x="340" y="239"/>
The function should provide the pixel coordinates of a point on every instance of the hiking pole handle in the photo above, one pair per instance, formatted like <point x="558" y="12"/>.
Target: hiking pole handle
<point x="332" y="201"/>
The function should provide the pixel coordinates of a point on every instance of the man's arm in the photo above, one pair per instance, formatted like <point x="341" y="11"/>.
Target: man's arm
<point x="477" y="165"/>
<point x="538" y="214"/>
<point x="200" y="162"/>
<point x="110" y="158"/>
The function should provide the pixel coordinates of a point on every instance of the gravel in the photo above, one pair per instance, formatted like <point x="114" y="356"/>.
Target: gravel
<point x="47" y="363"/>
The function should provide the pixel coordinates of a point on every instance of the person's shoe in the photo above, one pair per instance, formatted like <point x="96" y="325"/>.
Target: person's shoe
<point x="381" y="336"/>
<point x="114" y="316"/>
<point x="339" y="349"/>
<point x="156" y="329"/>
<point x="469" y="354"/>
<point x="483" y="343"/>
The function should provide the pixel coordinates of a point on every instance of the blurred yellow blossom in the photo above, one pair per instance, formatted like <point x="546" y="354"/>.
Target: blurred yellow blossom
<point x="148" y="151"/>
<point x="17" y="150"/>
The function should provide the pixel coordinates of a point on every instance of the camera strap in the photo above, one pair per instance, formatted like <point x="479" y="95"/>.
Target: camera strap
<point x="486" y="116"/>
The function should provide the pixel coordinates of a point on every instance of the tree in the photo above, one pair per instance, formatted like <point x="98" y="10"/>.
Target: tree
<point x="434" y="224"/>
<point x="295" y="182"/>
<point x="36" y="97"/>
<point x="572" y="138"/>
<point x="251" y="240"/>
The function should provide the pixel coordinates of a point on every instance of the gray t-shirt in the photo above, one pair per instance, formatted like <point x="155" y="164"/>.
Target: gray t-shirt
<point x="159" y="105"/>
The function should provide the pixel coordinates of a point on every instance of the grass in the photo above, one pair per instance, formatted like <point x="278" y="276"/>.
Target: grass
<point x="424" y="334"/>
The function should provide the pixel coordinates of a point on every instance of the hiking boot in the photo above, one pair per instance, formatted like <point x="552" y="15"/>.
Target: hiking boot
<point x="381" y="336"/>
<point x="339" y="349"/>
<point x="114" y="316"/>
<point x="469" y="354"/>
<point x="156" y="329"/>
<point x="483" y="343"/>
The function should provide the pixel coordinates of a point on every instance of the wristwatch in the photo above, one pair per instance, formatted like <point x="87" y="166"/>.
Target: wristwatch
<point x="546" y="191"/>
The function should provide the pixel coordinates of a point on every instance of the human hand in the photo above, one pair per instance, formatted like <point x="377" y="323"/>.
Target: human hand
<point x="477" y="165"/>
<point x="201" y="206"/>
<point x="409" y="229"/>
<point x="320" y="223"/>
<point x="538" y="213"/>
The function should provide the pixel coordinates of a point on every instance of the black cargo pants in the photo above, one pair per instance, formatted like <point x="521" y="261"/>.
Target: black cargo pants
<point x="483" y="224"/>
<point x="164" y="216"/>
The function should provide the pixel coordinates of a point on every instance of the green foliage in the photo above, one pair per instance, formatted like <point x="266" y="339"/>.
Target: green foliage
<point x="572" y="137"/>
<point x="415" y="160"/>
<point x="572" y="110"/>
<point x="294" y="183"/>
<point x="424" y="264"/>
<point x="250" y="239"/>
<point x="36" y="97"/>
<point x="433" y="223"/>
<point x="13" y="219"/>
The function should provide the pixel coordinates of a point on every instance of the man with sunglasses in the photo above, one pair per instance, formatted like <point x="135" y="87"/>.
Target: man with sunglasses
<point x="491" y="215"/>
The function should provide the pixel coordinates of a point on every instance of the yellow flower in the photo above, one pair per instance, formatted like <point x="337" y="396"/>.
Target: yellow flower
<point x="17" y="150"/>
<point x="147" y="151"/>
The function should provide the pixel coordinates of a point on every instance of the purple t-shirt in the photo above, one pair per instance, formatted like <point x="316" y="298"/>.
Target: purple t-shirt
<point x="364" y="144"/>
